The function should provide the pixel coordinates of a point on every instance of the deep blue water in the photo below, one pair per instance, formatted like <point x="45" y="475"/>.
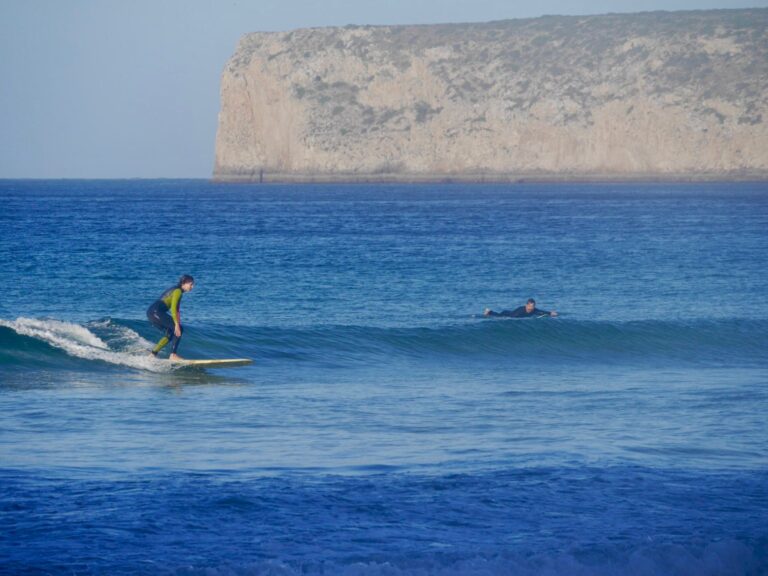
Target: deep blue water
<point x="385" y="427"/>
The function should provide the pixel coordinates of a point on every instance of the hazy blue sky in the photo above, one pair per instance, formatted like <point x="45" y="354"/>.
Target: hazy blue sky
<point x="130" y="88"/>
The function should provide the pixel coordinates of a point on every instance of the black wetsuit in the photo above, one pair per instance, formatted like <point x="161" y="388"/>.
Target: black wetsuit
<point x="158" y="315"/>
<point x="519" y="312"/>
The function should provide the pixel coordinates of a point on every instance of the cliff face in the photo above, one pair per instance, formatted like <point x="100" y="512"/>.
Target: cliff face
<point x="620" y="96"/>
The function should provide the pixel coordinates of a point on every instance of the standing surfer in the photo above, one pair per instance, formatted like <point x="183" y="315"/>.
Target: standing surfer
<point x="521" y="311"/>
<point x="157" y="314"/>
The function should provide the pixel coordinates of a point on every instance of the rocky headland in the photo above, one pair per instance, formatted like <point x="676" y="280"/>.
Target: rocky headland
<point x="659" y="95"/>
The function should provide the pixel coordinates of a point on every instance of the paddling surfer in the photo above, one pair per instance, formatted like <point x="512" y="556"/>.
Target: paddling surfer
<point x="157" y="313"/>
<point x="526" y="311"/>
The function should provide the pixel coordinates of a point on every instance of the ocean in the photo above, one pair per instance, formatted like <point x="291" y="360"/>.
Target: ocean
<point x="385" y="426"/>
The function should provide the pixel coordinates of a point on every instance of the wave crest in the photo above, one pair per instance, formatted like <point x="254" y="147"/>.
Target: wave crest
<point x="117" y="344"/>
<point x="706" y="343"/>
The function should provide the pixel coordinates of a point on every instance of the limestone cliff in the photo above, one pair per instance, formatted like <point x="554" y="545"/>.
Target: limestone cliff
<point x="682" y="94"/>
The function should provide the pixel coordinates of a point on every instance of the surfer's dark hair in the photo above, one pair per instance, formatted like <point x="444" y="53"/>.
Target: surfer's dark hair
<point x="184" y="279"/>
<point x="531" y="301"/>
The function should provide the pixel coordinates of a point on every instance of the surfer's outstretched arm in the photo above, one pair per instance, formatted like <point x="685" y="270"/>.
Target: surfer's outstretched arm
<point x="541" y="313"/>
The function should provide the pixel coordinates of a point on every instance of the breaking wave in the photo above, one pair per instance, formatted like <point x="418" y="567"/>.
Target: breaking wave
<point x="120" y="342"/>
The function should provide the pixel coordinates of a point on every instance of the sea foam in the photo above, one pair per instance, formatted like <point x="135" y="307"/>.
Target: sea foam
<point x="81" y="342"/>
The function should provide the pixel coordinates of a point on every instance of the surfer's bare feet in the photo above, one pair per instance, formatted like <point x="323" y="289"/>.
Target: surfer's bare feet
<point x="175" y="357"/>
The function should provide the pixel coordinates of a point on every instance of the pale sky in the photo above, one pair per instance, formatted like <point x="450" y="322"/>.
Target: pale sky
<point x="130" y="88"/>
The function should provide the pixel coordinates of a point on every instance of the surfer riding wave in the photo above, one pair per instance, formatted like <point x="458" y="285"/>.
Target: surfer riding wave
<point x="158" y="315"/>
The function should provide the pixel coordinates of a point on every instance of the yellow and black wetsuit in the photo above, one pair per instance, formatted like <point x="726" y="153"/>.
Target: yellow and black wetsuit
<point x="157" y="314"/>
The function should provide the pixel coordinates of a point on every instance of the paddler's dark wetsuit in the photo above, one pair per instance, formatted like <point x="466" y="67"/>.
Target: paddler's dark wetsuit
<point x="518" y="312"/>
<point x="158" y="316"/>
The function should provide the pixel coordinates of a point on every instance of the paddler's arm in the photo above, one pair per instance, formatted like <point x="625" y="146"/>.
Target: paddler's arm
<point x="541" y="313"/>
<point x="175" y="312"/>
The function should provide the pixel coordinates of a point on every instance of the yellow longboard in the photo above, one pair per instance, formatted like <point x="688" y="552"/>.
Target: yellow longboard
<point x="221" y="363"/>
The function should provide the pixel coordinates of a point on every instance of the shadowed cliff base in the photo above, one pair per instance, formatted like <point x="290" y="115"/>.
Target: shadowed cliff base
<point x="295" y="177"/>
<point x="654" y="96"/>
